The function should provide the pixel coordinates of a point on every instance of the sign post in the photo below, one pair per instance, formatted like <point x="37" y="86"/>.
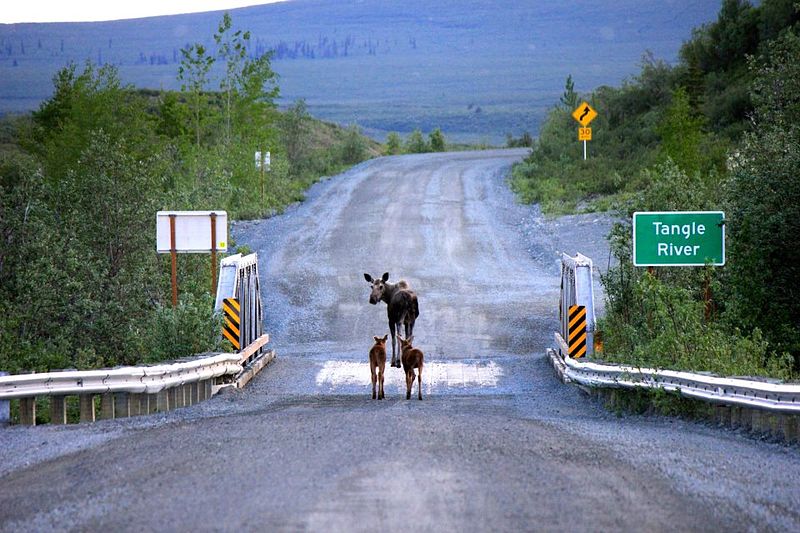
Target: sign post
<point x="584" y="114"/>
<point x="678" y="238"/>
<point x="173" y="252"/>
<point x="190" y="232"/>
<point x="262" y="163"/>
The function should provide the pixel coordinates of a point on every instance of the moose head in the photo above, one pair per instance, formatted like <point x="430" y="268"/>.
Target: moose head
<point x="378" y="287"/>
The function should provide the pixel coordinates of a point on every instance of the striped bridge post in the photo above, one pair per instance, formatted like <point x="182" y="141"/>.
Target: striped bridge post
<point x="231" y="322"/>
<point x="577" y="331"/>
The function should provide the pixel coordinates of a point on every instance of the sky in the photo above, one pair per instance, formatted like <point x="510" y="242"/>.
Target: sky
<point x="92" y="10"/>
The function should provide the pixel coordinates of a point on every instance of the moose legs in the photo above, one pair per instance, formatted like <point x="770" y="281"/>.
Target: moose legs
<point x="377" y="372"/>
<point x="395" y="331"/>
<point x="410" y="382"/>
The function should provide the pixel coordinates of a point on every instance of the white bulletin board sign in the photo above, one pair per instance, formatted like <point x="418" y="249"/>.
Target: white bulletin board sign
<point x="192" y="231"/>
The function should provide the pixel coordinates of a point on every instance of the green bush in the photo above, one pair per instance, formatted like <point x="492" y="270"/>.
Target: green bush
<point x="190" y="328"/>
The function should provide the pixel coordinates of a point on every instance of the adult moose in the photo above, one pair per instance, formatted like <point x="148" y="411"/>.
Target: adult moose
<point x="402" y="308"/>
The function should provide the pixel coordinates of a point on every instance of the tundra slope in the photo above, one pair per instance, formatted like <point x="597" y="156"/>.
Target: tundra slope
<point x="498" y="443"/>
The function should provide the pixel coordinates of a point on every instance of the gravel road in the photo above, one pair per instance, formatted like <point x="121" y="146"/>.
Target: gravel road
<point x="497" y="443"/>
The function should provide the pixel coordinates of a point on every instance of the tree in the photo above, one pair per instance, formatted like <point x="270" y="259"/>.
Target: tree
<point x="436" y="139"/>
<point x="569" y="99"/>
<point x="353" y="147"/>
<point x="393" y="143"/>
<point x="763" y="199"/>
<point x="193" y="74"/>
<point x="415" y="144"/>
<point x="681" y="133"/>
<point x="245" y="80"/>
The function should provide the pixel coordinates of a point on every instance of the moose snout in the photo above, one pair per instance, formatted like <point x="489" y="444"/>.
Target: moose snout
<point x="373" y="300"/>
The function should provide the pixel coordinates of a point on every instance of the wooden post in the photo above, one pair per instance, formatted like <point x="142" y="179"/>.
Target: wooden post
<point x="134" y="404"/>
<point x="87" y="407"/>
<point x="152" y="403"/>
<point x="58" y="410"/>
<point x="5" y="407"/>
<point x="213" y="255"/>
<point x="709" y="305"/>
<point x="107" y="406"/>
<point x="27" y="411"/>
<point x="122" y="405"/>
<point x="163" y="403"/>
<point x="174" y="256"/>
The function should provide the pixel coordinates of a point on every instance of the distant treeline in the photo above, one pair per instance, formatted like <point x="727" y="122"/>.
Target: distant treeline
<point x="323" y="48"/>
<point x="717" y="131"/>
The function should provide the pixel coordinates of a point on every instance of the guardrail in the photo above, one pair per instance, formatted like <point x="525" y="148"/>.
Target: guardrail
<point x="761" y="406"/>
<point x="765" y="406"/>
<point x="131" y="391"/>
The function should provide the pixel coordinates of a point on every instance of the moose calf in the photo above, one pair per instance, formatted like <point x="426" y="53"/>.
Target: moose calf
<point x="377" y="360"/>
<point x="412" y="358"/>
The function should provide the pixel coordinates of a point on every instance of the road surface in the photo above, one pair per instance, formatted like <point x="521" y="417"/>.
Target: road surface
<point x="497" y="444"/>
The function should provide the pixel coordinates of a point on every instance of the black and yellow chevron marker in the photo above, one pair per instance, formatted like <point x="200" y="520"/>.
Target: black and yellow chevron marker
<point x="577" y="331"/>
<point x="230" y="324"/>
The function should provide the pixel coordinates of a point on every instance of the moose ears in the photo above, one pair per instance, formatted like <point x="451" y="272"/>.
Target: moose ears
<point x="381" y="339"/>
<point x="369" y="279"/>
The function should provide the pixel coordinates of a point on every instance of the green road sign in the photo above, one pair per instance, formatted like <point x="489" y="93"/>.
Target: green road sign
<point x="678" y="238"/>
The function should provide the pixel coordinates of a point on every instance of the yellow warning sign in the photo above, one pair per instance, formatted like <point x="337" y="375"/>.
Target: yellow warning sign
<point x="576" y="331"/>
<point x="584" y="134"/>
<point x="230" y="323"/>
<point x="584" y="114"/>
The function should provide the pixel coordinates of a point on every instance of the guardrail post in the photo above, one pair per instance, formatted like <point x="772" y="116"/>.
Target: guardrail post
<point x="27" y="411"/>
<point x="790" y="430"/>
<point x="87" y="407"/>
<point x="201" y="390"/>
<point x="152" y="403"/>
<point x="107" y="406"/>
<point x="58" y="410"/>
<point x="5" y="408"/>
<point x="122" y="405"/>
<point x="144" y="404"/>
<point x="162" y="401"/>
<point x="135" y="404"/>
<point x="172" y="394"/>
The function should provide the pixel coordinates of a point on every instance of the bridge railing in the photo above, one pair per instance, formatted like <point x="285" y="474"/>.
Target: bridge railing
<point x="769" y="405"/>
<point x="577" y="288"/>
<point x="130" y="391"/>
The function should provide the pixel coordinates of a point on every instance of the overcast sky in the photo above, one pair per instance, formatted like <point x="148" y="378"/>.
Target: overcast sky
<point x="91" y="10"/>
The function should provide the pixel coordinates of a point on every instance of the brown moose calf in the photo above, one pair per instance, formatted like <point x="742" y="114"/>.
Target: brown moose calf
<point x="377" y="361"/>
<point x="411" y="358"/>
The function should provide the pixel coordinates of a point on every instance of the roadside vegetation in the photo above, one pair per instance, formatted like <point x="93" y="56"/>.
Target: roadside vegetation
<point x="717" y="131"/>
<point x="81" y="285"/>
<point x="416" y="143"/>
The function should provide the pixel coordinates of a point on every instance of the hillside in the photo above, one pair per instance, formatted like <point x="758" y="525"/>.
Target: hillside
<point x="477" y="69"/>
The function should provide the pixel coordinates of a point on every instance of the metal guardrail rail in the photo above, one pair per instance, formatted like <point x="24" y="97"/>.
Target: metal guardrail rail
<point x="763" y="395"/>
<point x="136" y="380"/>
<point x="129" y="391"/>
